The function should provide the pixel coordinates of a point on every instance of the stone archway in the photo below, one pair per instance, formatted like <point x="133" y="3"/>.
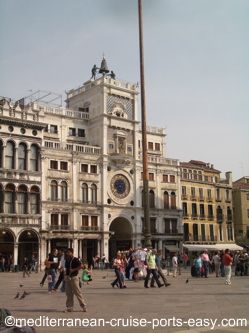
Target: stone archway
<point x="28" y="246"/>
<point x="120" y="236"/>
<point x="6" y="249"/>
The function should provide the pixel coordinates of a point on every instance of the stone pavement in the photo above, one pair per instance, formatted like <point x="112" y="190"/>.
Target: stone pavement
<point x="200" y="298"/>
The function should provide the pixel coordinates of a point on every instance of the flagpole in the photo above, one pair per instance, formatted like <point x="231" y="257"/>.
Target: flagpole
<point x="147" y="227"/>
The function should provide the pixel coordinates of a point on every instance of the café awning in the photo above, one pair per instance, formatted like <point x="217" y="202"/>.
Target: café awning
<point x="212" y="247"/>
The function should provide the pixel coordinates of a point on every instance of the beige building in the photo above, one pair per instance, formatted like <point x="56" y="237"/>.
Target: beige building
<point x="73" y="175"/>
<point x="241" y="209"/>
<point x="206" y="204"/>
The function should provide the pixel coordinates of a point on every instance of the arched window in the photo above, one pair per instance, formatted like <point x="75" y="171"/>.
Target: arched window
<point x="94" y="193"/>
<point x="1" y="153"/>
<point x="229" y="215"/>
<point x="10" y="199"/>
<point x="63" y="191"/>
<point x="219" y="215"/>
<point x="166" y="200"/>
<point x="152" y="199"/>
<point x="173" y="200"/>
<point x="35" y="200"/>
<point x="54" y="190"/>
<point x="84" y="193"/>
<point x="22" y="199"/>
<point x="34" y="158"/>
<point x="10" y="155"/>
<point x="22" y="156"/>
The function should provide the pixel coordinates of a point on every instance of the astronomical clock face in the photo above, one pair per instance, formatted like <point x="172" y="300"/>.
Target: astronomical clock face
<point x="120" y="186"/>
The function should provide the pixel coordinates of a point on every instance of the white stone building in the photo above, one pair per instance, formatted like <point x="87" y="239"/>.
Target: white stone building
<point x="88" y="178"/>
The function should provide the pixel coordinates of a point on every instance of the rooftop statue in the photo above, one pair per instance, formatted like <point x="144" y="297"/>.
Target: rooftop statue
<point x="103" y="69"/>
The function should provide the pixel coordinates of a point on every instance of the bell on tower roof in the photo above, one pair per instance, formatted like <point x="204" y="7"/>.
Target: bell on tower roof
<point x="103" y="67"/>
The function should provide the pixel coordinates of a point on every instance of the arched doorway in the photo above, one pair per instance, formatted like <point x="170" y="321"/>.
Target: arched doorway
<point x="120" y="236"/>
<point x="28" y="246"/>
<point x="6" y="249"/>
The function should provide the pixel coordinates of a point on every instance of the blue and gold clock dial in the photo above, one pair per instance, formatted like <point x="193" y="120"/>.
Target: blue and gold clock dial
<point x="120" y="186"/>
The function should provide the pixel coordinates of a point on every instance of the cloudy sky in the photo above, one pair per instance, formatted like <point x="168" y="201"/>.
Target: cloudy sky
<point x="196" y="57"/>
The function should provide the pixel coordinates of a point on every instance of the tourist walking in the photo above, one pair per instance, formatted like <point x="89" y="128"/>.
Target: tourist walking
<point x="205" y="262"/>
<point x="216" y="261"/>
<point x="175" y="264"/>
<point x="25" y="267"/>
<point x="72" y="267"/>
<point x="159" y="270"/>
<point x="61" y="269"/>
<point x="228" y="260"/>
<point x="151" y="269"/>
<point x="52" y="264"/>
<point x="117" y="265"/>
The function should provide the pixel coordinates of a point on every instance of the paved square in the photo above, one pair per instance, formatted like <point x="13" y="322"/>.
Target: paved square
<point x="200" y="298"/>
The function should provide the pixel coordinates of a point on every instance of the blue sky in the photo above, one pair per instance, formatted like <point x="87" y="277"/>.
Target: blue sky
<point x="196" y="57"/>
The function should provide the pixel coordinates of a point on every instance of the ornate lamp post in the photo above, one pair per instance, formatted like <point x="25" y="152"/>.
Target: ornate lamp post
<point x="147" y="228"/>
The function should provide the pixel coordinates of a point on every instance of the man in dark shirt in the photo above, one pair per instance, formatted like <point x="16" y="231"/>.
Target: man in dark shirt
<point x="72" y="267"/>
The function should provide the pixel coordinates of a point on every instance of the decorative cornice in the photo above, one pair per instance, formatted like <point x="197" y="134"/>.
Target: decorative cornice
<point x="21" y="123"/>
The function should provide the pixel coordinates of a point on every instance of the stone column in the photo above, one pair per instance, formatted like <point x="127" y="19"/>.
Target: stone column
<point x="75" y="247"/>
<point x="42" y="253"/>
<point x="106" y="245"/>
<point x="48" y="246"/>
<point x="28" y="160"/>
<point x="16" y="158"/>
<point x="15" y="202"/>
<point x="80" y="248"/>
<point x="160" y="245"/>
<point x="99" y="247"/>
<point x="3" y="157"/>
<point x="28" y="203"/>
<point x="59" y="221"/>
<point x="15" y="254"/>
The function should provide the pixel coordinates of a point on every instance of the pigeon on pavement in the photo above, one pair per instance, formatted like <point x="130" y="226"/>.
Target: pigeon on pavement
<point x="17" y="295"/>
<point x="24" y="295"/>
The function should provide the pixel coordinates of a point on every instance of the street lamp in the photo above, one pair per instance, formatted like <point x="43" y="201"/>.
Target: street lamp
<point x="147" y="228"/>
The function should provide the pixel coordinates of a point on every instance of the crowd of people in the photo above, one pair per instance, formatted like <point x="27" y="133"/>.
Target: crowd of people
<point x="65" y="271"/>
<point x="6" y="262"/>
<point x="28" y="264"/>
<point x="220" y="263"/>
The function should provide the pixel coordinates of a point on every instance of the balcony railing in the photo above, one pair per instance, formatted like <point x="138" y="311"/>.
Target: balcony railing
<point x="90" y="228"/>
<point x="202" y="217"/>
<point x="210" y="217"/>
<point x="84" y="149"/>
<point x="194" y="216"/>
<point x="61" y="227"/>
<point x="61" y="111"/>
<point x="19" y="221"/>
<point x="198" y="238"/>
<point x="172" y="232"/>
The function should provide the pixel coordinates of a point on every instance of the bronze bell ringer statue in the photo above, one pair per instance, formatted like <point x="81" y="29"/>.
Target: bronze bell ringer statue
<point x="102" y="70"/>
